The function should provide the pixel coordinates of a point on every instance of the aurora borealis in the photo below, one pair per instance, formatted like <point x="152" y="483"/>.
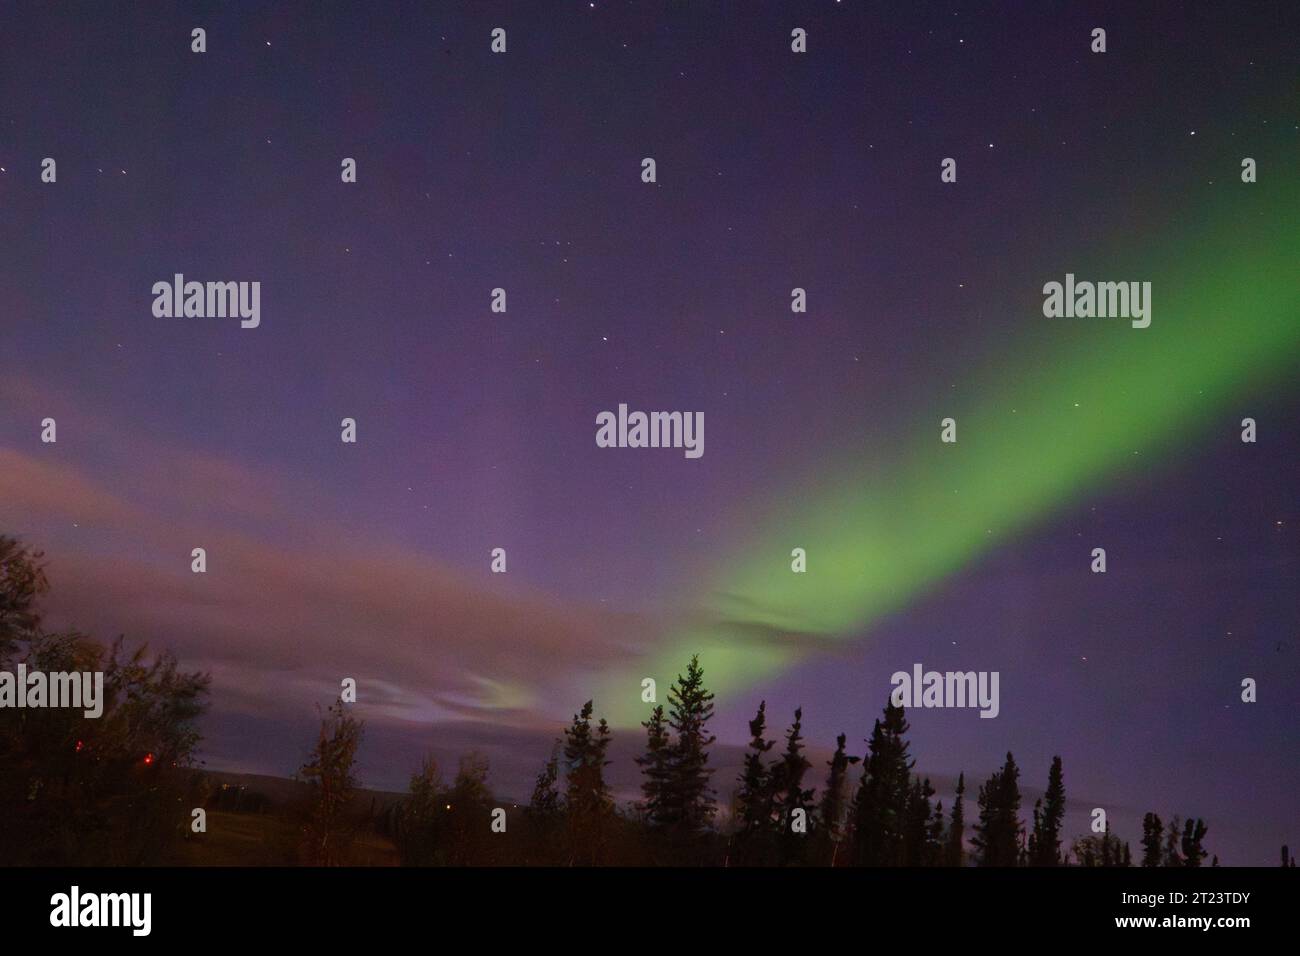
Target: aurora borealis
<point x="476" y="429"/>
<point x="878" y="540"/>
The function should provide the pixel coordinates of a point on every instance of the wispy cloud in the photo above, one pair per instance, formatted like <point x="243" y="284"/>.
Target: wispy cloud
<point x="293" y="600"/>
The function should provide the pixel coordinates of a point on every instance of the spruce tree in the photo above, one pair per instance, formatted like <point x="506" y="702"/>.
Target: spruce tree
<point x="688" y="803"/>
<point x="955" y="851"/>
<point x="544" y="812"/>
<point x="654" y="766"/>
<point x="545" y="801"/>
<point x="577" y="759"/>
<point x="754" y="795"/>
<point x="1049" y="815"/>
<point x="880" y="807"/>
<point x="918" y="825"/>
<point x="790" y="796"/>
<point x="1173" y="836"/>
<point x="1193" y="834"/>
<point x="587" y="797"/>
<point x="936" y="848"/>
<point x="835" y="797"/>
<point x="998" y="832"/>
<point x="1034" y="830"/>
<point x="1152" y="831"/>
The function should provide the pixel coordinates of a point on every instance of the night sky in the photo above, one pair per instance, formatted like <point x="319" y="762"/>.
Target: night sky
<point x="775" y="170"/>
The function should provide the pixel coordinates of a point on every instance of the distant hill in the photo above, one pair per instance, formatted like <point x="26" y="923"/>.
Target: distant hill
<point x="282" y="791"/>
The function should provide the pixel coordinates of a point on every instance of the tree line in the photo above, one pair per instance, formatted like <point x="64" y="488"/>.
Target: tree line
<point x="886" y="817"/>
<point x="121" y="790"/>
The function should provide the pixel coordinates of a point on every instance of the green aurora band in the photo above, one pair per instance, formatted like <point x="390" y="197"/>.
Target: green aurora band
<point x="1087" y="396"/>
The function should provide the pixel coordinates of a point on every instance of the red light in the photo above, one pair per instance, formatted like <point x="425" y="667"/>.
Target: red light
<point x="148" y="759"/>
<point x="80" y="744"/>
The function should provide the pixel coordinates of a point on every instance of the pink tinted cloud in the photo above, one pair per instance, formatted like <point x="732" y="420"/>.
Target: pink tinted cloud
<point x="275" y="620"/>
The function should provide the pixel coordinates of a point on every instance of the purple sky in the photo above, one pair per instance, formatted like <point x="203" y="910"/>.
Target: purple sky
<point x="476" y="430"/>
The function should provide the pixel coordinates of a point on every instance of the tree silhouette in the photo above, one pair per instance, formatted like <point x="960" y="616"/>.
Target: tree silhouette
<point x="1173" y="838"/>
<point x="111" y="791"/>
<point x="655" y="766"/>
<point x="545" y="801"/>
<point x="1102" y="850"/>
<point x="22" y="583"/>
<point x="422" y="818"/>
<point x="936" y="839"/>
<point x="1049" y="814"/>
<point x="920" y="845"/>
<point x="587" y="798"/>
<point x="329" y="772"/>
<point x="880" y="807"/>
<point x="545" y="809"/>
<point x="1193" y="834"/>
<point x="790" y="796"/>
<point x="117" y="790"/>
<point x="835" y="797"/>
<point x="754" y="796"/>
<point x="997" y="834"/>
<point x="1152" y="831"/>
<point x="687" y="804"/>
<point x="955" y="854"/>
<point x="469" y="806"/>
